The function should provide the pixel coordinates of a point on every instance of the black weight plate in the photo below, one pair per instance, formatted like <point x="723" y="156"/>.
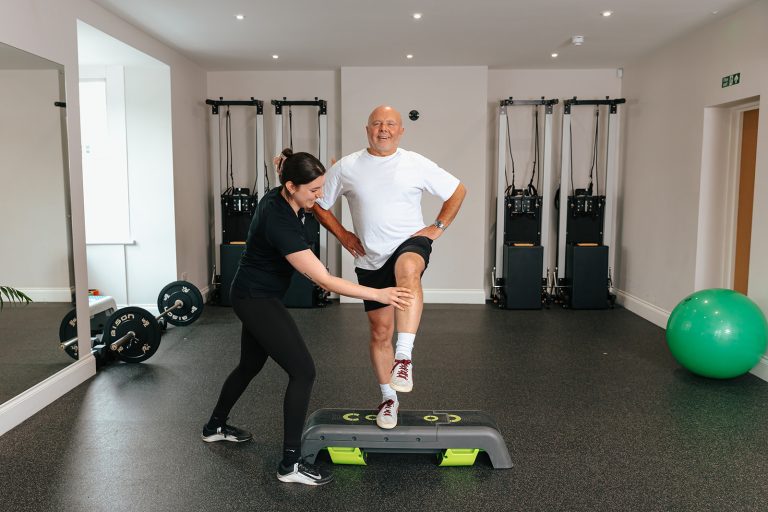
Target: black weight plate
<point x="146" y="331"/>
<point x="67" y="331"/>
<point x="188" y="294"/>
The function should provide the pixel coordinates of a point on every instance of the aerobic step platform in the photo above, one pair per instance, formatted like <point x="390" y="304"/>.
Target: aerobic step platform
<point x="455" y="436"/>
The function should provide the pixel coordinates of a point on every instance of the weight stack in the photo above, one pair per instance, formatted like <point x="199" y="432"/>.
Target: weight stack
<point x="237" y="209"/>
<point x="523" y="268"/>
<point x="586" y="271"/>
<point x="522" y="219"/>
<point x="230" y="259"/>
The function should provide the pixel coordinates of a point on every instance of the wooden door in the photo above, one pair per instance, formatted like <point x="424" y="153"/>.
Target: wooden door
<point x="746" y="198"/>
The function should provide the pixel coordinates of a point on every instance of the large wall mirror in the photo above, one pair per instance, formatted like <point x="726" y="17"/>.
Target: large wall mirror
<point x="35" y="227"/>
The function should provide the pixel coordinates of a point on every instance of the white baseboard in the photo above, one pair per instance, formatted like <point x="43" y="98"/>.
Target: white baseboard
<point x="443" y="296"/>
<point x="448" y="296"/>
<point x="761" y="370"/>
<point x="63" y="294"/>
<point x="23" y="406"/>
<point x="152" y="308"/>
<point x="643" y="309"/>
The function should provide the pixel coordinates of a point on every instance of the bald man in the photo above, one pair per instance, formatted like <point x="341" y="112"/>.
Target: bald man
<point x="383" y="185"/>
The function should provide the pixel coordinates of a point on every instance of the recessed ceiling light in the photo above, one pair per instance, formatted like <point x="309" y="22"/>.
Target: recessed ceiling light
<point x="554" y="55"/>
<point x="409" y="56"/>
<point x="240" y="16"/>
<point x="417" y="15"/>
<point x="275" y="56"/>
<point x="715" y="12"/>
<point x="606" y="13"/>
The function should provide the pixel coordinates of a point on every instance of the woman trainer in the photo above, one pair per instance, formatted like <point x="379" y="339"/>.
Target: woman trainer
<point x="277" y="245"/>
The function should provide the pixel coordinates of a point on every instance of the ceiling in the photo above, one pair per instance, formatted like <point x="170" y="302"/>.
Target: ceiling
<point x="500" y="34"/>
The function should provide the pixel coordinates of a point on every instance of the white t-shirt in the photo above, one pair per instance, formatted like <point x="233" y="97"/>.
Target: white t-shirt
<point x="384" y="196"/>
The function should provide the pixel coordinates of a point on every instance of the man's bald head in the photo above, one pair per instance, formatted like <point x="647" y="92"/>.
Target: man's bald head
<point x="385" y="111"/>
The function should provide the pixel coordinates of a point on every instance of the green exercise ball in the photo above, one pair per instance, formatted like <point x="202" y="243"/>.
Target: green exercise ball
<point x="717" y="333"/>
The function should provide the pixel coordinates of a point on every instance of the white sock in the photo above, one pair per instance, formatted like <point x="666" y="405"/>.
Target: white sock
<point x="387" y="393"/>
<point x="404" y="346"/>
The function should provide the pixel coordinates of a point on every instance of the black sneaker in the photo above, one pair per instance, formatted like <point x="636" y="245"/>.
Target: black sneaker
<point x="303" y="473"/>
<point x="225" y="433"/>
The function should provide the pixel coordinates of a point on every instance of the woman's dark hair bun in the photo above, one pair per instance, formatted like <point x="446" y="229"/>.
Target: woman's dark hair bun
<point x="299" y="168"/>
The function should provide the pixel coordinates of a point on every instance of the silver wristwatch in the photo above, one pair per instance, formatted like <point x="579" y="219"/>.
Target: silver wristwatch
<point x="439" y="224"/>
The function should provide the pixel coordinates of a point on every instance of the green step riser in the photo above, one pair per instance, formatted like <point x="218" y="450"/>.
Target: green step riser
<point x="449" y="458"/>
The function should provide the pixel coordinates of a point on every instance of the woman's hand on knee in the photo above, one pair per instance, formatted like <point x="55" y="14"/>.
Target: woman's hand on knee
<point x="398" y="297"/>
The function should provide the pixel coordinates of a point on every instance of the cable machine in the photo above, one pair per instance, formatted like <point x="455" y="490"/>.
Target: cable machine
<point x="233" y="211"/>
<point x="587" y="217"/>
<point x="302" y="293"/>
<point x="524" y="223"/>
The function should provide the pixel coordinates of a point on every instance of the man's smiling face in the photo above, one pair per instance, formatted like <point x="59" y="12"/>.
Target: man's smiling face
<point x="384" y="129"/>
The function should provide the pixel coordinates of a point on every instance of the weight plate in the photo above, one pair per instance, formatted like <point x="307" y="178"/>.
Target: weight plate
<point x="146" y="331"/>
<point x="189" y="295"/>
<point x="67" y="331"/>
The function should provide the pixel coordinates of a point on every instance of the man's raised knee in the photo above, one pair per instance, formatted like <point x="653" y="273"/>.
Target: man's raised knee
<point x="409" y="266"/>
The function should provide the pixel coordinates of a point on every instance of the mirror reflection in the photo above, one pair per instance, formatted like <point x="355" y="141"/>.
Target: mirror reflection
<point x="35" y="229"/>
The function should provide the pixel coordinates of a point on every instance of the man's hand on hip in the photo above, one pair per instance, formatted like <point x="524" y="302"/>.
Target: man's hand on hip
<point x="431" y="232"/>
<point x="351" y="243"/>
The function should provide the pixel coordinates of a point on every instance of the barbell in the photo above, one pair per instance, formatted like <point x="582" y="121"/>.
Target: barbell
<point x="133" y="333"/>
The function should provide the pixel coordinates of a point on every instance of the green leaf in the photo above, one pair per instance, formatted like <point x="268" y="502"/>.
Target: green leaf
<point x="12" y="295"/>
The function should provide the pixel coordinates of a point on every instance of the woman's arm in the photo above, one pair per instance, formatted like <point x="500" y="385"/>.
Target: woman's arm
<point x="307" y="264"/>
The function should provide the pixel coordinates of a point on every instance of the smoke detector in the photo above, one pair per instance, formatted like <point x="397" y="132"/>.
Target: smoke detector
<point x="577" y="40"/>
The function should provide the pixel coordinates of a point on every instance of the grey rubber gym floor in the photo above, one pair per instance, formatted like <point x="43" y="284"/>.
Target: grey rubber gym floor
<point x="595" y="412"/>
<point x="29" y="345"/>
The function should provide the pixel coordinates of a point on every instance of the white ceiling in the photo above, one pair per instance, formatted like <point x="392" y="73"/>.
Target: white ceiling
<point x="501" y="34"/>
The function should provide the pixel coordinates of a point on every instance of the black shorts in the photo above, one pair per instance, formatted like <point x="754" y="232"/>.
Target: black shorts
<point x="384" y="277"/>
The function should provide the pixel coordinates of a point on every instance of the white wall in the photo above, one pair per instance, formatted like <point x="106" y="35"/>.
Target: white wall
<point x="48" y="28"/>
<point x="130" y="221"/>
<point x="151" y="261"/>
<point x="452" y="132"/>
<point x="668" y="94"/>
<point x="34" y="220"/>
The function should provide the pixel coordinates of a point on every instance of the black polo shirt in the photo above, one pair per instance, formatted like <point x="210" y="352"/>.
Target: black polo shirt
<point x="275" y="232"/>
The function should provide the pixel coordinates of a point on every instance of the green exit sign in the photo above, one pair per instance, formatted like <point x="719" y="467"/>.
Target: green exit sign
<point x="730" y="80"/>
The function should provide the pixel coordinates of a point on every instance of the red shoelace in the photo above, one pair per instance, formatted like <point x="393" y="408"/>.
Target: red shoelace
<point x="388" y="405"/>
<point x="402" y="372"/>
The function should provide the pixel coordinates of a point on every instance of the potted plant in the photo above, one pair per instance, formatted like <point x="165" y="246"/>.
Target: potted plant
<point x="8" y="294"/>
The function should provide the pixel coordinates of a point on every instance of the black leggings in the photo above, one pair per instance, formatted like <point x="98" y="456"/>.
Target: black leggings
<point x="269" y="331"/>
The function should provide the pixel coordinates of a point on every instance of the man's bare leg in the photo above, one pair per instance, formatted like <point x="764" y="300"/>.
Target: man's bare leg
<point x="408" y="269"/>
<point x="382" y="324"/>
